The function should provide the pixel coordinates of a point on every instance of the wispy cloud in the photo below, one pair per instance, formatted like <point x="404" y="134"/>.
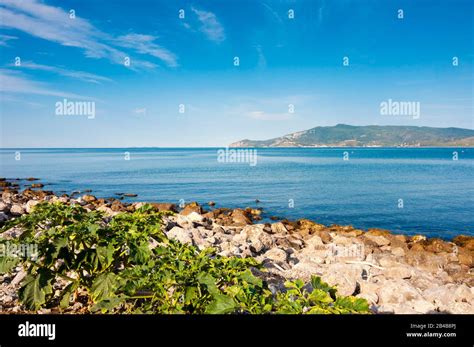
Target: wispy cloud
<point x="5" y="38"/>
<point x="144" y="44"/>
<point x="54" y="24"/>
<point x="80" y="75"/>
<point x="139" y="111"/>
<point x="210" y="26"/>
<point x="262" y="61"/>
<point x="17" y="83"/>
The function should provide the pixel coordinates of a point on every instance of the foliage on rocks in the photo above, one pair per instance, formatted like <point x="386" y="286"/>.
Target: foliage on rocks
<point x="126" y="264"/>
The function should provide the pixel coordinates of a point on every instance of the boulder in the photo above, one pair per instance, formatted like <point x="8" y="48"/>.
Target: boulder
<point x="17" y="210"/>
<point x="195" y="217"/>
<point x="180" y="234"/>
<point x="437" y="246"/>
<point x="259" y="239"/>
<point x="465" y="241"/>
<point x="379" y="240"/>
<point x="162" y="206"/>
<point x="278" y="228"/>
<point x="344" y="276"/>
<point x="397" y="291"/>
<point x="30" y="204"/>
<point x="117" y="206"/>
<point x="240" y="217"/>
<point x="276" y="254"/>
<point x="315" y="242"/>
<point x="398" y="251"/>
<point x="191" y="207"/>
<point x="439" y="295"/>
<point x="88" y="198"/>
<point x="465" y="257"/>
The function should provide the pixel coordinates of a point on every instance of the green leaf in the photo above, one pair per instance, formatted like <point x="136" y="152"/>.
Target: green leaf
<point x="140" y="253"/>
<point x="35" y="289"/>
<point x="320" y="296"/>
<point x="106" y="255"/>
<point x="209" y="282"/>
<point x="317" y="283"/>
<point x="104" y="286"/>
<point x="190" y="295"/>
<point x="8" y="263"/>
<point x="66" y="294"/>
<point x="248" y="277"/>
<point x="221" y="304"/>
<point x="107" y="305"/>
<point x="353" y="304"/>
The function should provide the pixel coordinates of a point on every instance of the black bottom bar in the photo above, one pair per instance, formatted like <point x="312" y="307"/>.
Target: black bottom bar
<point x="137" y="330"/>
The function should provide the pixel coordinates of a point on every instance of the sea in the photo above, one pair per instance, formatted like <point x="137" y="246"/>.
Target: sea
<point x="427" y="191"/>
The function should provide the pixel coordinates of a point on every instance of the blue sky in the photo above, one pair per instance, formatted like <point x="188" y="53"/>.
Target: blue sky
<point x="190" y="61"/>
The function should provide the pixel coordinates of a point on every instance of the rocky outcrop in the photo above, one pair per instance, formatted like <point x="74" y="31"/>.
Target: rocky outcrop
<point x="395" y="273"/>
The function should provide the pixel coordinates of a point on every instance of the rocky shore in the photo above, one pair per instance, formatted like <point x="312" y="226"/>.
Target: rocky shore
<point x="394" y="273"/>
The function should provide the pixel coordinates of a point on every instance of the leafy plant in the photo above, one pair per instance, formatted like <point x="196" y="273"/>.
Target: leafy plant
<point x="111" y="265"/>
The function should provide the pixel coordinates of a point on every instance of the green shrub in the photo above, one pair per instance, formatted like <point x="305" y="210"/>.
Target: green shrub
<point x="110" y="264"/>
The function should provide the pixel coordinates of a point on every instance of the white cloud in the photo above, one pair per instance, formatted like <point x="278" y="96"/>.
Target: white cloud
<point x="80" y="75"/>
<point x="5" y="38"/>
<point x="53" y="24"/>
<point x="16" y="83"/>
<point x="210" y="26"/>
<point x="140" y="111"/>
<point x="144" y="44"/>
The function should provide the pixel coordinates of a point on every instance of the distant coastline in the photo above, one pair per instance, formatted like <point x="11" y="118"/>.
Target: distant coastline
<point x="343" y="135"/>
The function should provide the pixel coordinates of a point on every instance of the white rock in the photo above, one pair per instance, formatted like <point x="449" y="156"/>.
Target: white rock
<point x="463" y="294"/>
<point x="195" y="217"/>
<point x="183" y="221"/>
<point x="30" y="204"/>
<point x="259" y="239"/>
<point x="107" y="211"/>
<point x="440" y="295"/>
<point x="17" y="210"/>
<point x="379" y="240"/>
<point x="279" y="228"/>
<point x="315" y="242"/>
<point x="458" y="308"/>
<point x="397" y="291"/>
<point x="344" y="276"/>
<point x="398" y="272"/>
<point x="396" y="308"/>
<point x="276" y="254"/>
<point x="180" y="234"/>
<point x="341" y="240"/>
<point x="423" y="306"/>
<point x="398" y="251"/>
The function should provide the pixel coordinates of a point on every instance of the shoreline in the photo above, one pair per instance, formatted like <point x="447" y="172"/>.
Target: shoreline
<point x="265" y="216"/>
<point x="395" y="273"/>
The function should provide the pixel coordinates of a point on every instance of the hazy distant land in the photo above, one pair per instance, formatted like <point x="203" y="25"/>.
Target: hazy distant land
<point x="342" y="135"/>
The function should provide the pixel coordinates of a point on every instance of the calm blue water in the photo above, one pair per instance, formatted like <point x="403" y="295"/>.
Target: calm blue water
<point x="437" y="192"/>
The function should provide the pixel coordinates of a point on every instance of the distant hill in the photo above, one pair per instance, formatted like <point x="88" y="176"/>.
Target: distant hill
<point x="343" y="135"/>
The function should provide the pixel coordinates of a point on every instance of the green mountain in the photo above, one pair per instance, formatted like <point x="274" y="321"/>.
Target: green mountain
<point x="343" y="135"/>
